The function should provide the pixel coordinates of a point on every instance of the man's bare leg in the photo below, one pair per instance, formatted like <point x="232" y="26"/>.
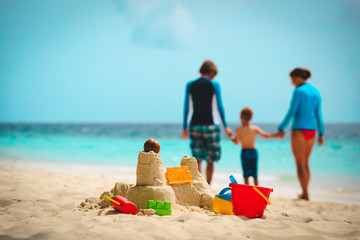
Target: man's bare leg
<point x="209" y="171"/>
<point x="199" y="165"/>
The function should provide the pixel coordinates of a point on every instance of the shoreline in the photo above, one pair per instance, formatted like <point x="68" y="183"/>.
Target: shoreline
<point x="289" y="189"/>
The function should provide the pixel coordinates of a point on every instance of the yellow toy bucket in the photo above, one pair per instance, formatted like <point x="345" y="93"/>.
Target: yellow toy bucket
<point x="222" y="202"/>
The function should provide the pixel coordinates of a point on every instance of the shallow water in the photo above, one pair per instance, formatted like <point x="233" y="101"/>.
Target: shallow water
<point x="335" y="166"/>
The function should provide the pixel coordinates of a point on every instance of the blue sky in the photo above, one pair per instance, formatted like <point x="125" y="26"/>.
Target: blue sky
<point x="129" y="61"/>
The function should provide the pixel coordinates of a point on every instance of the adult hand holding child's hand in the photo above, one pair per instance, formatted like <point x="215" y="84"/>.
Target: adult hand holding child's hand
<point x="281" y="134"/>
<point x="229" y="132"/>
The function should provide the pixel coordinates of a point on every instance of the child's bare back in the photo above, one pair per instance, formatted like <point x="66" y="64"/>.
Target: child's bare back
<point x="246" y="135"/>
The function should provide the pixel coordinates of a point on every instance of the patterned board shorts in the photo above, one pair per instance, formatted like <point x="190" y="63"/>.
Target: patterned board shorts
<point x="205" y="142"/>
<point x="249" y="162"/>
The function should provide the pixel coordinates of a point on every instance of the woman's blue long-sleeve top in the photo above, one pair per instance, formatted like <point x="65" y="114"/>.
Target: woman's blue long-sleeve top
<point x="305" y="109"/>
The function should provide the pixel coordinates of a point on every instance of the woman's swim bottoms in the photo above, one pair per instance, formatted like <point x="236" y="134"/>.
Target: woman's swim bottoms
<point x="249" y="162"/>
<point x="205" y="142"/>
<point x="308" y="134"/>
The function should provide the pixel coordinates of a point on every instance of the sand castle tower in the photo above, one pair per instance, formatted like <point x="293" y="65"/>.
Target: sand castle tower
<point x="199" y="192"/>
<point x="150" y="178"/>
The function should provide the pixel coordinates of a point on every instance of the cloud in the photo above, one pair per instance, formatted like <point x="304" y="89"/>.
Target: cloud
<point x="161" y="23"/>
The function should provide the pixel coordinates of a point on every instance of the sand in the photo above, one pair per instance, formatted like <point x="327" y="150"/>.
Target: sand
<point x="39" y="204"/>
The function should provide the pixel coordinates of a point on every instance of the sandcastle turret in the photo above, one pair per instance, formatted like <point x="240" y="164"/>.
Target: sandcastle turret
<point x="150" y="179"/>
<point x="199" y="192"/>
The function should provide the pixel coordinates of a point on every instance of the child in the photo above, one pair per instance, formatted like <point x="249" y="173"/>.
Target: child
<point x="246" y="135"/>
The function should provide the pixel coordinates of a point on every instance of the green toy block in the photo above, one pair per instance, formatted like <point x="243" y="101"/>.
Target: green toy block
<point x="161" y="208"/>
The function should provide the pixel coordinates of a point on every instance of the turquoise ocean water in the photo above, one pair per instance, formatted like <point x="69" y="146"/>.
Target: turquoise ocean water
<point x="335" y="166"/>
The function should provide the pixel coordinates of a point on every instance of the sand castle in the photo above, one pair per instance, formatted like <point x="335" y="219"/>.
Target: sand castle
<point x="150" y="181"/>
<point x="197" y="193"/>
<point x="152" y="185"/>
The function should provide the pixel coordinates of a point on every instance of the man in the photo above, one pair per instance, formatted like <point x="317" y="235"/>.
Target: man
<point x="204" y="95"/>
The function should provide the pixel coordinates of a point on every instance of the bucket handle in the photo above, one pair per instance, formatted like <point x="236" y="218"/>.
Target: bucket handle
<point x="224" y="190"/>
<point x="262" y="195"/>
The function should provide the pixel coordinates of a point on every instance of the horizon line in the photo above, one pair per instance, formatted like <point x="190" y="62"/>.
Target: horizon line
<point x="172" y="123"/>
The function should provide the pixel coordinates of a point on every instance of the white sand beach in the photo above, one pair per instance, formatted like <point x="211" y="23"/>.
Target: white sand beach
<point x="42" y="204"/>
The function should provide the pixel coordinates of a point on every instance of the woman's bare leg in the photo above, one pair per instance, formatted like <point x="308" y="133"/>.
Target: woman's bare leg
<point x="309" y="147"/>
<point x="302" y="149"/>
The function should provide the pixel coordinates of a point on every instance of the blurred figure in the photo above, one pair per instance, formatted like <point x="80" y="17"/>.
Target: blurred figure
<point x="204" y="96"/>
<point x="246" y="135"/>
<point x="305" y="108"/>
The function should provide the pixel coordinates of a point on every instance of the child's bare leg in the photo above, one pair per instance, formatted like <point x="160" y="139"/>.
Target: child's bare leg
<point x="256" y="183"/>
<point x="246" y="180"/>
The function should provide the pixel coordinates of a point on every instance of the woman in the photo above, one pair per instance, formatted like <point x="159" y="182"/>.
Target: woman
<point x="304" y="109"/>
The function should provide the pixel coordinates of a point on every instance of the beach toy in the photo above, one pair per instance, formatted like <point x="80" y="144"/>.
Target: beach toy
<point x="262" y="195"/>
<point x="122" y="204"/>
<point x="161" y="208"/>
<point x="249" y="201"/>
<point x="222" y="202"/>
<point x="177" y="175"/>
<point x="232" y="179"/>
<point x="152" y="145"/>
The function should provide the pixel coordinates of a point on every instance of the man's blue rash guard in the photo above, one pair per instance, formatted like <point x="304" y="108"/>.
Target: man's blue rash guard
<point x="305" y="106"/>
<point x="202" y="92"/>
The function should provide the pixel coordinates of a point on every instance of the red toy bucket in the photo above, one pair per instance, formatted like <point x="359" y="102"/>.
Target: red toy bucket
<point x="247" y="201"/>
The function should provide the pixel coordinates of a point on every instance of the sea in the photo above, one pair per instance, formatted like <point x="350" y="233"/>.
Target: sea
<point x="112" y="150"/>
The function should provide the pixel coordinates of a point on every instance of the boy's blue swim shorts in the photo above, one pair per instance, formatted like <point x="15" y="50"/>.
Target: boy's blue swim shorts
<point x="249" y="162"/>
<point x="205" y="142"/>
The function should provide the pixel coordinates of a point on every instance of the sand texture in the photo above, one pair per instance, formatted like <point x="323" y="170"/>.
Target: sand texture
<point x="46" y="205"/>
